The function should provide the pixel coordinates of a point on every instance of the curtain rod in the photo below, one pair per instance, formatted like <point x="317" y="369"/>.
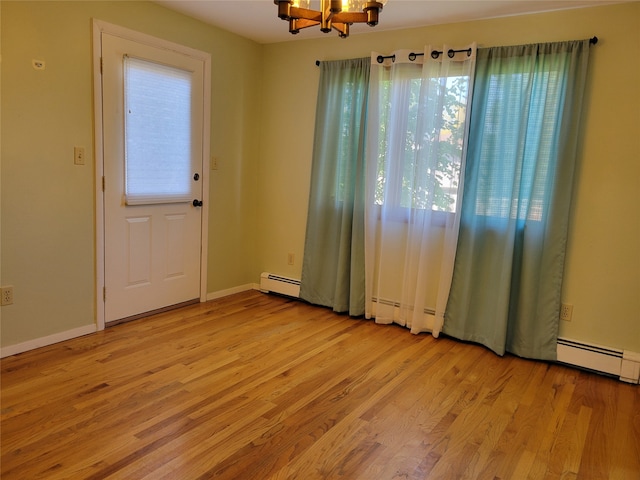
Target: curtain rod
<point x="435" y="53"/>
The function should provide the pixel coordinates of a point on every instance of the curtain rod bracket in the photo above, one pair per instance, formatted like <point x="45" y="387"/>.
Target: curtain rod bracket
<point x="382" y="58"/>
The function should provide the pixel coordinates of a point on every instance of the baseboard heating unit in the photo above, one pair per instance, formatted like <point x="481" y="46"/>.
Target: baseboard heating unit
<point x="619" y="363"/>
<point x="277" y="284"/>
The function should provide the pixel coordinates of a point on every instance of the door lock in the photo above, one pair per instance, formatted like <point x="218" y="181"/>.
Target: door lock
<point x="197" y="203"/>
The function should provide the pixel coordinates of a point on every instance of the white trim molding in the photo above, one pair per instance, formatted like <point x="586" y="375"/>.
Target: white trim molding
<point x="232" y="291"/>
<point x="46" y="341"/>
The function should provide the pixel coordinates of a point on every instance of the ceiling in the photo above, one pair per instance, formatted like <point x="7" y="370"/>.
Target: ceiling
<point x="258" y="20"/>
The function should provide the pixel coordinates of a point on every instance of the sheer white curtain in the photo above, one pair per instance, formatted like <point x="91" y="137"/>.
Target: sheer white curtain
<point x="418" y="105"/>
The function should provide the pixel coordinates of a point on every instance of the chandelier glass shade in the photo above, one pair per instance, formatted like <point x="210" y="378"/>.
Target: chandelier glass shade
<point x="333" y="14"/>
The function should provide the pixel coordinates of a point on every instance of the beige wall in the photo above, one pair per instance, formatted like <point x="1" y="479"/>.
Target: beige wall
<point x="48" y="251"/>
<point x="602" y="276"/>
<point x="262" y="132"/>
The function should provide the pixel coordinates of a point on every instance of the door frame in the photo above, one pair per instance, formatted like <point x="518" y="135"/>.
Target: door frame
<point x="100" y="27"/>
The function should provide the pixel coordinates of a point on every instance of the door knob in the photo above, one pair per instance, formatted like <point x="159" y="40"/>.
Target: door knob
<point x="197" y="203"/>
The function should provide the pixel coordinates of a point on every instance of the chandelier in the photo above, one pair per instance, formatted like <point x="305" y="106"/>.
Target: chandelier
<point x="333" y="14"/>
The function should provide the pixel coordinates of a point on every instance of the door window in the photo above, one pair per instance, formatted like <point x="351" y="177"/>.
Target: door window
<point x="157" y="133"/>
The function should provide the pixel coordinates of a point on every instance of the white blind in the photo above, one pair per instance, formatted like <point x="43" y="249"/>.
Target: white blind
<point x="157" y="133"/>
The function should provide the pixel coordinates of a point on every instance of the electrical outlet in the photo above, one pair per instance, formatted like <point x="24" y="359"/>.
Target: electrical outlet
<point x="291" y="257"/>
<point x="7" y="295"/>
<point x="566" y="310"/>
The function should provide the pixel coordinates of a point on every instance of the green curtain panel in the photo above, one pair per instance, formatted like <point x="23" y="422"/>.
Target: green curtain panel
<point x="523" y="138"/>
<point x="333" y="263"/>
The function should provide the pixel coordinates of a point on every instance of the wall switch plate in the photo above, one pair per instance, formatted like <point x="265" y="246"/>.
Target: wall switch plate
<point x="78" y="155"/>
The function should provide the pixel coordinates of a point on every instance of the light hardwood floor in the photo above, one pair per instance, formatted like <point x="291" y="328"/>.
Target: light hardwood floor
<point x="256" y="386"/>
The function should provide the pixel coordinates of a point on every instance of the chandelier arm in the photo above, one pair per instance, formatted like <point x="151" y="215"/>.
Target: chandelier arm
<point x="300" y="23"/>
<point x="295" y="12"/>
<point x="350" y="17"/>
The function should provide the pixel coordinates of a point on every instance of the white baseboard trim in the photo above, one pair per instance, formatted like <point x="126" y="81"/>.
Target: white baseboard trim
<point x="48" y="340"/>
<point x="88" y="329"/>
<point x="231" y="291"/>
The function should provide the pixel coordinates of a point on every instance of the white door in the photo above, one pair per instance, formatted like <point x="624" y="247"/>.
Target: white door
<point x="152" y="107"/>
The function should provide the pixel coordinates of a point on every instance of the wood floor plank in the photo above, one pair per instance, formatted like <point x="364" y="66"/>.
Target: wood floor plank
<point x="254" y="386"/>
